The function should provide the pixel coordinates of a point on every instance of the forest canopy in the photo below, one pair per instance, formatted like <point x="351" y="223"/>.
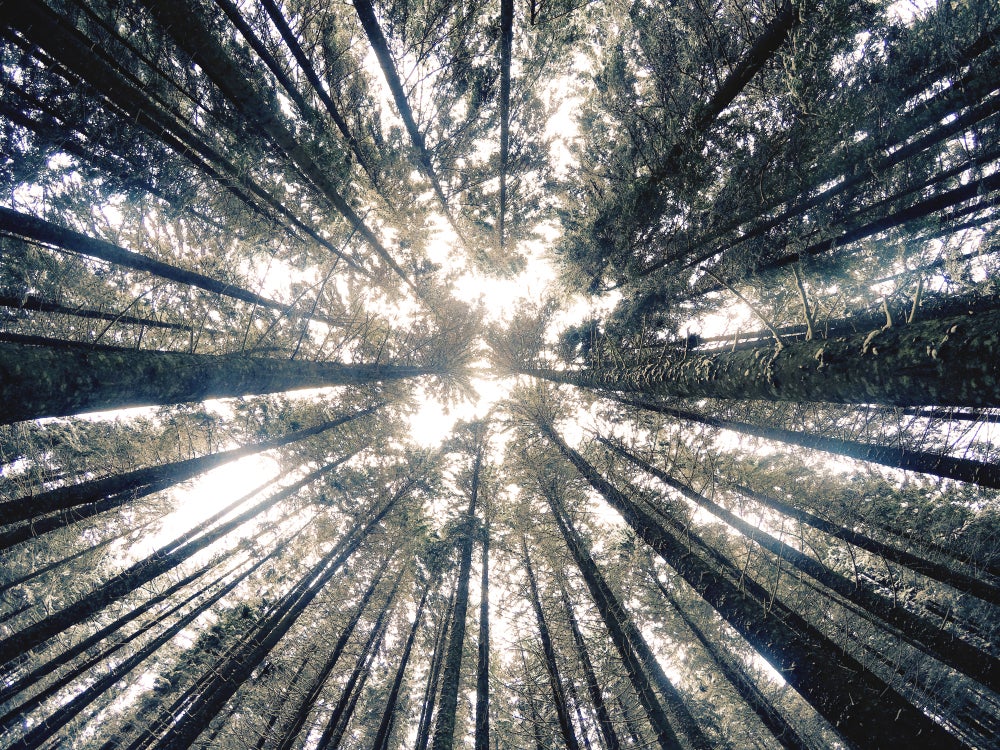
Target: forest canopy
<point x="517" y="375"/>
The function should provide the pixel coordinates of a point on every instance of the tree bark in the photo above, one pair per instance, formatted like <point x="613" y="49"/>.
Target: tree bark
<point x="558" y="695"/>
<point x="482" y="738"/>
<point x="381" y="741"/>
<point x="290" y="731"/>
<point x="946" y="362"/>
<point x="506" y="45"/>
<point x="434" y="674"/>
<point x="444" y="728"/>
<point x="863" y="708"/>
<point x="604" y="722"/>
<point x="46" y="381"/>
<point x="931" y="638"/>
<point x="161" y="476"/>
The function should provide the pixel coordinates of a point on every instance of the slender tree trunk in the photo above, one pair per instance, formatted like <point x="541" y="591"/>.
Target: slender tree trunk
<point x="558" y="696"/>
<point x="47" y="381"/>
<point x="342" y="712"/>
<point x="31" y="227"/>
<point x="64" y="714"/>
<point x="265" y="734"/>
<point x="308" y="701"/>
<point x="158" y="477"/>
<point x="482" y="738"/>
<point x="863" y="708"/>
<point x="381" y="741"/>
<point x="574" y="700"/>
<point x="743" y="683"/>
<point x="444" y="728"/>
<point x="32" y="303"/>
<point x="186" y="23"/>
<point x="626" y="637"/>
<point x="165" y="559"/>
<point x="946" y="362"/>
<point x="506" y="45"/>
<point x="241" y="664"/>
<point x="434" y="673"/>
<point x="961" y="469"/>
<point x="590" y="677"/>
<point x="931" y="638"/>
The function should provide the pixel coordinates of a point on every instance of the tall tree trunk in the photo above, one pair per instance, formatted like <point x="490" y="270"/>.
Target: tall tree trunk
<point x="743" y="683"/>
<point x="342" y="712"/>
<point x="381" y="741"/>
<point x="47" y="381"/>
<point x="590" y="677"/>
<point x="931" y="638"/>
<point x="32" y="303"/>
<point x="241" y="664"/>
<point x="308" y="701"/>
<point x="31" y="227"/>
<point x="434" y="673"/>
<point x="982" y="473"/>
<point x="631" y="646"/>
<point x="506" y="45"/>
<point x="558" y="695"/>
<point x="186" y="23"/>
<point x="863" y="708"/>
<point x="482" y="738"/>
<point x="946" y="362"/>
<point x="159" y="477"/>
<point x="65" y="713"/>
<point x="166" y="558"/>
<point x="276" y="711"/>
<point x="444" y="728"/>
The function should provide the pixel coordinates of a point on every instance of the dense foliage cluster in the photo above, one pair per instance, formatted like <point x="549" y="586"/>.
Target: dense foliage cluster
<point x="736" y="485"/>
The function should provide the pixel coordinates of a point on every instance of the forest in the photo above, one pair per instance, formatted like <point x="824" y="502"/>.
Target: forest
<point x="508" y="375"/>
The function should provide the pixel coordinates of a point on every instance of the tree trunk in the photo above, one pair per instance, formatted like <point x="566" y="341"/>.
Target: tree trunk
<point x="482" y="738"/>
<point x="434" y="674"/>
<point x="558" y="696"/>
<point x="308" y="701"/>
<point x="624" y="634"/>
<point x="590" y="677"/>
<point x="961" y="469"/>
<point x="862" y="707"/>
<point x="342" y="712"/>
<point x="743" y="683"/>
<point x="444" y="728"/>
<point x="166" y="558"/>
<point x="32" y="303"/>
<point x="381" y="741"/>
<point x="241" y="663"/>
<point x="161" y="476"/>
<point x="46" y="381"/>
<point x="947" y="362"/>
<point x="506" y="45"/>
<point x="931" y="638"/>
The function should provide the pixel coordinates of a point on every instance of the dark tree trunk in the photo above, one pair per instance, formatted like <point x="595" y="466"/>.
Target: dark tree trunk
<point x="482" y="739"/>
<point x="558" y="695"/>
<point x="590" y="677"/>
<point x="506" y="45"/>
<point x="962" y="469"/>
<point x="342" y="712"/>
<point x="65" y="713"/>
<point x="32" y="303"/>
<point x="857" y="702"/>
<point x="929" y="637"/>
<point x="434" y="673"/>
<point x="240" y="664"/>
<point x="31" y="227"/>
<point x="158" y="477"/>
<point x="444" y="728"/>
<point x="624" y="634"/>
<point x="743" y="683"/>
<point x="166" y="558"/>
<point x="946" y="362"/>
<point x="47" y="381"/>
<point x="308" y="701"/>
<point x="186" y="23"/>
<point x="381" y="741"/>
